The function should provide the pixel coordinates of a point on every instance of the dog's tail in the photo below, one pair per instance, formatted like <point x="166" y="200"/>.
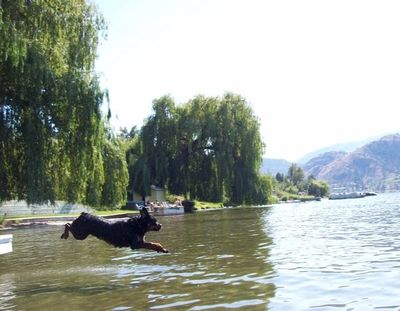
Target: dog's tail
<point x="67" y="229"/>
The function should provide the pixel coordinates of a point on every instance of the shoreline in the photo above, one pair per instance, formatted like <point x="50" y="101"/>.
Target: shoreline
<point x="56" y="220"/>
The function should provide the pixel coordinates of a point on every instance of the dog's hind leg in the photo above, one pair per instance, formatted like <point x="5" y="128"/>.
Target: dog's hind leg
<point x="65" y="235"/>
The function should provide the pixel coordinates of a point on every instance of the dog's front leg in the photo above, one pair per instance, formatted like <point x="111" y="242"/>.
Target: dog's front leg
<point x="154" y="246"/>
<point x="65" y="235"/>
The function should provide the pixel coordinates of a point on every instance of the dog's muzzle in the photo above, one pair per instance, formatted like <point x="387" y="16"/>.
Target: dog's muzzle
<point x="157" y="227"/>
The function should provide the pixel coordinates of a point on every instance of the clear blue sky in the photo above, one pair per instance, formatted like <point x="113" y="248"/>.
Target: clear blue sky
<point x="316" y="72"/>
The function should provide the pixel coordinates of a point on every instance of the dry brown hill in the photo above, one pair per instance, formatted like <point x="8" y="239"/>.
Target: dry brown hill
<point x="375" y="166"/>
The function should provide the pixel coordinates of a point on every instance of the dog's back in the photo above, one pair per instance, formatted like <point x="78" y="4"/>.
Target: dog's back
<point x="116" y="233"/>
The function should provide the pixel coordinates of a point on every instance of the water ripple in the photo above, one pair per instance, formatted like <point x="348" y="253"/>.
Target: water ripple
<point x="336" y="254"/>
<point x="232" y="305"/>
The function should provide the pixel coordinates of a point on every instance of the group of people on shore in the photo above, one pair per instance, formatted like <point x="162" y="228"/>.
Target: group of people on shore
<point x="157" y="205"/>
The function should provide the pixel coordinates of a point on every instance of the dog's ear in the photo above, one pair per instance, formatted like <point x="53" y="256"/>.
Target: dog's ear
<point x="144" y="212"/>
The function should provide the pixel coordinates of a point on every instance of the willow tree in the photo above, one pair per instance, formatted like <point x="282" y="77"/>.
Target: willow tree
<point x="239" y="148"/>
<point x="195" y="154"/>
<point x="51" y="135"/>
<point x="158" y="136"/>
<point x="116" y="174"/>
<point x="208" y="148"/>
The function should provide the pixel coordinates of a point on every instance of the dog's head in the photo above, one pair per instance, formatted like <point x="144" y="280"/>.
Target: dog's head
<point x="149" y="221"/>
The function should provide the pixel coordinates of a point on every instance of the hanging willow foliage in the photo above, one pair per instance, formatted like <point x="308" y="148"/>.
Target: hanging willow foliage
<point x="209" y="149"/>
<point x="52" y="137"/>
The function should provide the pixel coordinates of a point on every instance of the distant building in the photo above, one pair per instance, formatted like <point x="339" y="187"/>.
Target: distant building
<point x="156" y="194"/>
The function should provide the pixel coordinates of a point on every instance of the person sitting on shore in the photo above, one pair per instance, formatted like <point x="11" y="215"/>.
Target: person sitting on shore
<point x="165" y="204"/>
<point x="178" y="203"/>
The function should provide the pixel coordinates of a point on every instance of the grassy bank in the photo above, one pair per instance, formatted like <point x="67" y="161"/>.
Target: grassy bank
<point x="283" y="196"/>
<point x="202" y="205"/>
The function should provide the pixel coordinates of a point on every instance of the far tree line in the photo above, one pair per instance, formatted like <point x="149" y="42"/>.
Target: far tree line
<point x="295" y="183"/>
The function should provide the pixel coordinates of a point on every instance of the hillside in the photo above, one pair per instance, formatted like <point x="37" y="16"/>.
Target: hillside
<point x="274" y="166"/>
<point x="343" y="147"/>
<point x="374" y="166"/>
<point x="315" y="165"/>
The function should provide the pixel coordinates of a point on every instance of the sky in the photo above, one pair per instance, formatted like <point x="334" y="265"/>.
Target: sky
<point x="315" y="72"/>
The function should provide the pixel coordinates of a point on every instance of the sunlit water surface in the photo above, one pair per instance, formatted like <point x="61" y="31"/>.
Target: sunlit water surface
<point x="329" y="255"/>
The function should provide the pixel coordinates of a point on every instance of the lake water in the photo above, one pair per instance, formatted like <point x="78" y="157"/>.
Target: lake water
<point x="329" y="255"/>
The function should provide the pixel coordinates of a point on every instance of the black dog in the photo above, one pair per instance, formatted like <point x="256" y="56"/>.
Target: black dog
<point x="122" y="233"/>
